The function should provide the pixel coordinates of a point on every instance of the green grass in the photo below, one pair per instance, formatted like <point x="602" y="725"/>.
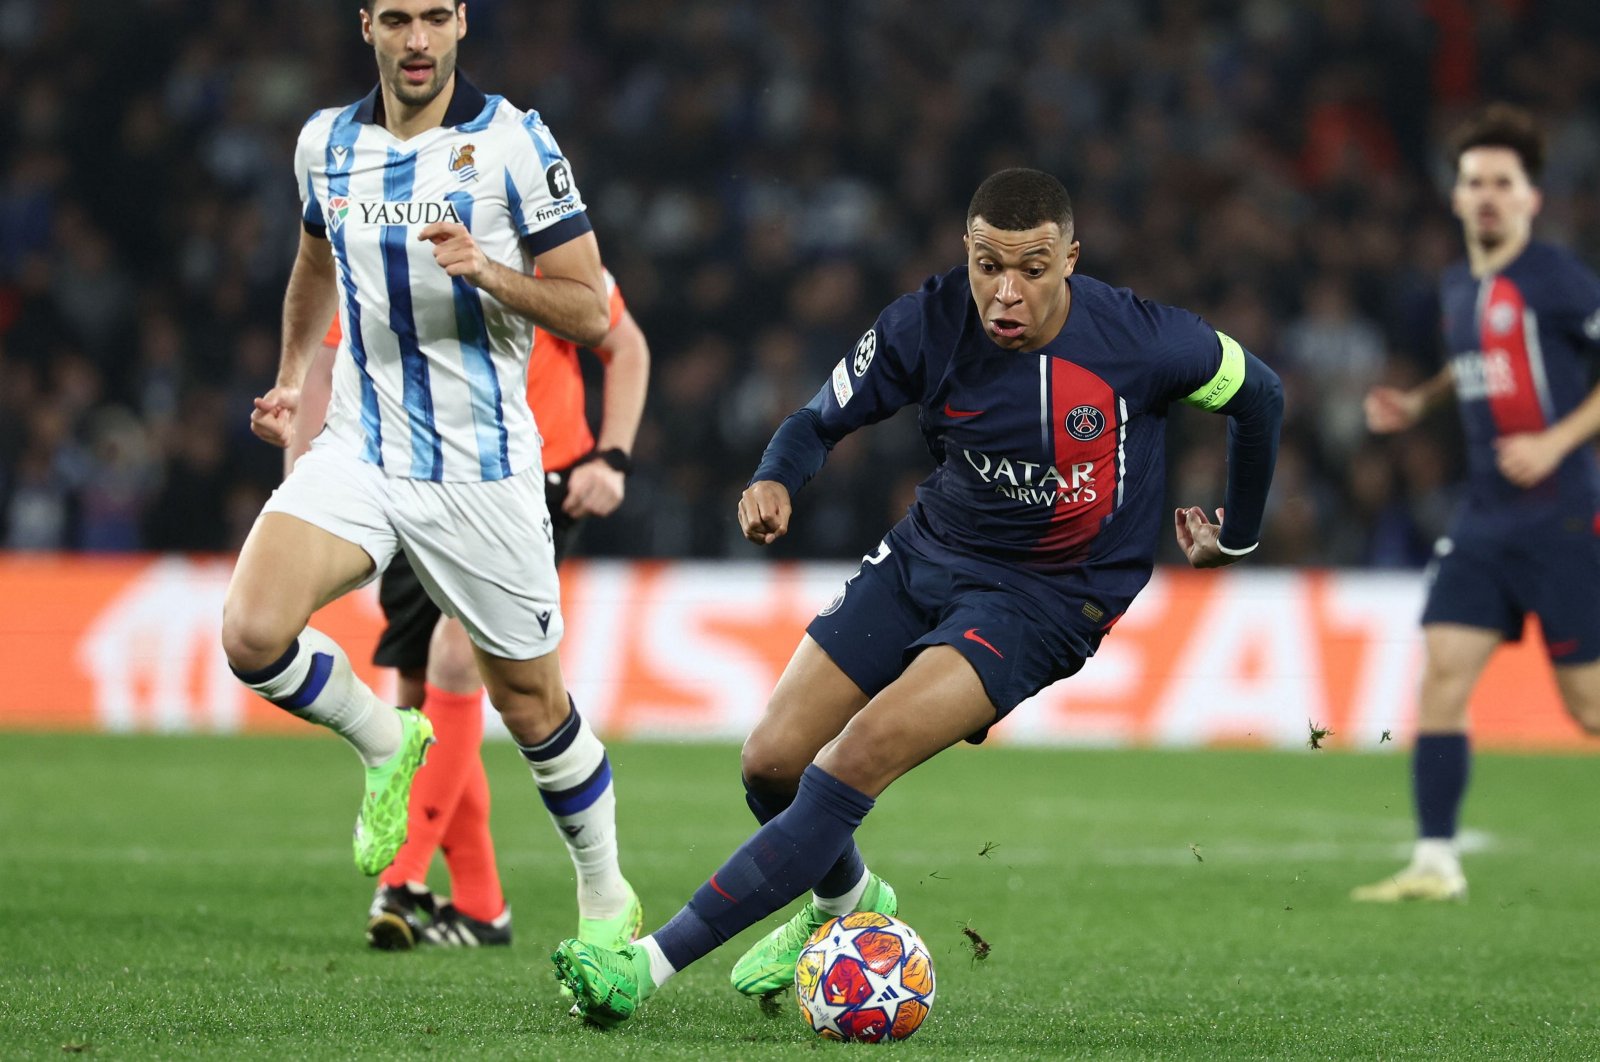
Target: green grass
<point x="188" y="897"/>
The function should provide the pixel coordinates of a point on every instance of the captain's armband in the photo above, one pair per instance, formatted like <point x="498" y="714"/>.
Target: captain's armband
<point x="1215" y="393"/>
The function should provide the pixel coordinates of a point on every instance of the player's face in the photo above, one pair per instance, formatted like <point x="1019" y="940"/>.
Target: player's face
<point x="1493" y="197"/>
<point x="1019" y="281"/>
<point x="415" y="41"/>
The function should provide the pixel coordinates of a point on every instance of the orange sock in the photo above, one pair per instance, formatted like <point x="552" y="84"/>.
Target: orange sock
<point x="469" y="852"/>
<point x="436" y="791"/>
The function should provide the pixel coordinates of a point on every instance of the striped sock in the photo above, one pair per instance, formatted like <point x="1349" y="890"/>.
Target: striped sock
<point x="574" y="778"/>
<point x="313" y="680"/>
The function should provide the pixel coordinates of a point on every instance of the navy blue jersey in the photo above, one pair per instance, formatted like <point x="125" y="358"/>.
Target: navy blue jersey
<point x="1050" y="464"/>
<point x="1516" y="341"/>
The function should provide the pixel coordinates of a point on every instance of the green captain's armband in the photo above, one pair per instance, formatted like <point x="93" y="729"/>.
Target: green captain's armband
<point x="1214" y="393"/>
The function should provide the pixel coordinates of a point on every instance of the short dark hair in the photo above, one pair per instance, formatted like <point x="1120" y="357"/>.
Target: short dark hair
<point x="366" y="5"/>
<point x="1019" y="199"/>
<point x="1502" y="125"/>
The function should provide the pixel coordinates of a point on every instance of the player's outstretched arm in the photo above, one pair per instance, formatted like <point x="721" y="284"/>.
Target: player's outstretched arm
<point x="1392" y="409"/>
<point x="568" y="297"/>
<point x="764" y="511"/>
<point x="308" y="305"/>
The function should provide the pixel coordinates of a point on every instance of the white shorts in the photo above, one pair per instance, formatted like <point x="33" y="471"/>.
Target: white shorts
<point x="482" y="550"/>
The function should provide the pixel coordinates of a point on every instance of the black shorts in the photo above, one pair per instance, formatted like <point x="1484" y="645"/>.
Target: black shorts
<point x="410" y="615"/>
<point x="1494" y="582"/>
<point x="899" y="603"/>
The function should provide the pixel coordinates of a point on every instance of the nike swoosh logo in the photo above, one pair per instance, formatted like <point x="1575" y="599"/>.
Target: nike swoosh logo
<point x="973" y="636"/>
<point x="960" y="412"/>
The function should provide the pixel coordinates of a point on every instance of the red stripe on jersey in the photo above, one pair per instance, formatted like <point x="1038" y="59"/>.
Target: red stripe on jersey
<point x="1503" y="339"/>
<point x="1084" y="429"/>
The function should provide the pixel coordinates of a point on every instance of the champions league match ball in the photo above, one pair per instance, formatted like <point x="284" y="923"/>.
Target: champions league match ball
<point x="864" y="977"/>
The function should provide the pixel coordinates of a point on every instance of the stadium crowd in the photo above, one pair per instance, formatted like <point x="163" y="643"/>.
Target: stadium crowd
<point x="763" y="179"/>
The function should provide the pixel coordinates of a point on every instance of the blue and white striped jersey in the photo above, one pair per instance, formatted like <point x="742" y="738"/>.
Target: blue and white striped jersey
<point x="431" y="374"/>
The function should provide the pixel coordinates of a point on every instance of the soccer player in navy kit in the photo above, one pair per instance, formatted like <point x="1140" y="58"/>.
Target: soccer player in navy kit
<point x="1518" y="317"/>
<point x="1043" y="398"/>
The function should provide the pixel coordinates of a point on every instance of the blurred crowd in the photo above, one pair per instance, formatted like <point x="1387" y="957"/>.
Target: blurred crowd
<point x="764" y="178"/>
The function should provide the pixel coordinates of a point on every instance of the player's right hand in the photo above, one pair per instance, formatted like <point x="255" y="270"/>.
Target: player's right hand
<point x="1389" y="409"/>
<point x="764" y="512"/>
<point x="273" y="416"/>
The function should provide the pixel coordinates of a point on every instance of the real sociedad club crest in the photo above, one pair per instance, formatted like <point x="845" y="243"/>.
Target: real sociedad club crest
<point x="461" y="163"/>
<point x="1085" y="423"/>
<point x="338" y="209"/>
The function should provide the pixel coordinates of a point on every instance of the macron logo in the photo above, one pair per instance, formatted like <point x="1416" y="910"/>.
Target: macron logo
<point x="544" y="620"/>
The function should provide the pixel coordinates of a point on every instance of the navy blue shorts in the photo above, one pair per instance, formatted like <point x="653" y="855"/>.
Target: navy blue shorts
<point x="899" y="603"/>
<point x="1494" y="582"/>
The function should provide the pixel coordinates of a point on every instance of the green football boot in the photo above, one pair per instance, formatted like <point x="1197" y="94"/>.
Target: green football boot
<point x="615" y="932"/>
<point x="607" y="984"/>
<point x="769" y="965"/>
<point x="381" y="826"/>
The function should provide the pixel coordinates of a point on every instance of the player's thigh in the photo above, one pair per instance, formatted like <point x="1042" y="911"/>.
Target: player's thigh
<point x="810" y="705"/>
<point x="484" y="552"/>
<point x="1454" y="656"/>
<point x="1580" y="692"/>
<point x="937" y="702"/>
<point x="323" y="532"/>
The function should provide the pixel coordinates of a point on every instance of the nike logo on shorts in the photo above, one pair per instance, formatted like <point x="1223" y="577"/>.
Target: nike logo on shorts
<point x="973" y="636"/>
<point x="958" y="413"/>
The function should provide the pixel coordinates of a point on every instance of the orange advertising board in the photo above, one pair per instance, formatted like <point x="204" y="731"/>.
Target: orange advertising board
<point x="685" y="649"/>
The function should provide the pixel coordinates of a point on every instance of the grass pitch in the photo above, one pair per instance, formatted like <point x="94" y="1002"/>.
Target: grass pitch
<point x="180" y="897"/>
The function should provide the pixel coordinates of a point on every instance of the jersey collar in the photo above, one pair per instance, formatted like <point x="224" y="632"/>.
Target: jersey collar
<point x="465" y="105"/>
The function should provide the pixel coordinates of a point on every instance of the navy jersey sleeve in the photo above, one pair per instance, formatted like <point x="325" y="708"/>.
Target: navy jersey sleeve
<point x="1222" y="377"/>
<point x="1578" y="302"/>
<point x="884" y="373"/>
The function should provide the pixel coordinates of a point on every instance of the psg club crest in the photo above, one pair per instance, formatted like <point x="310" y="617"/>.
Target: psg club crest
<point x="462" y="165"/>
<point x="1502" y="318"/>
<point x="1085" y="423"/>
<point x="338" y="209"/>
<point x="865" y="348"/>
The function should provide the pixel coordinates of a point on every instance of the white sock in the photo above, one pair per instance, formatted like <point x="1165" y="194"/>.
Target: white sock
<point x="313" y="680"/>
<point x="1437" y="854"/>
<point x="839" y="906"/>
<point x="574" y="778"/>
<point x="660" y="968"/>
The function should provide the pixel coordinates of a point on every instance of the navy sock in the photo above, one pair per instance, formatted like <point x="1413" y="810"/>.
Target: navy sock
<point x="1439" y="768"/>
<point x="779" y="862"/>
<point x="767" y="803"/>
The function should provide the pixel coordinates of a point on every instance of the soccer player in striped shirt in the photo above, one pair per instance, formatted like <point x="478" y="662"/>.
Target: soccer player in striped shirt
<point x="1519" y="317"/>
<point x="427" y="208"/>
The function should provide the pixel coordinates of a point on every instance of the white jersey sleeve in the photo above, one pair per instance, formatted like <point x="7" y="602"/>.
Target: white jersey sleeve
<point x="541" y="191"/>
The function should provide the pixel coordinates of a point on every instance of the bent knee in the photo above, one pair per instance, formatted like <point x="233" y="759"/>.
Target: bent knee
<point x="771" y="765"/>
<point x="252" y="641"/>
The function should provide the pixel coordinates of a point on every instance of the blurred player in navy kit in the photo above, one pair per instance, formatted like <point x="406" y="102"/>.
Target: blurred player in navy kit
<point x="1518" y="315"/>
<point x="1043" y="398"/>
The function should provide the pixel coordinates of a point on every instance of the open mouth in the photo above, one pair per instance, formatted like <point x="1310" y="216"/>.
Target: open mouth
<point x="417" y="72"/>
<point x="1006" y="327"/>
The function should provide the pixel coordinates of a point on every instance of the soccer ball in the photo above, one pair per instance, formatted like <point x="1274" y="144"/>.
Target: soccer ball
<point x="864" y="977"/>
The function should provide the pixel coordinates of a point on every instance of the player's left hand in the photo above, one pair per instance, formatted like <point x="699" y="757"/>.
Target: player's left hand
<point x="594" y="488"/>
<point x="1527" y="458"/>
<point x="456" y="251"/>
<point x="1200" y="539"/>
